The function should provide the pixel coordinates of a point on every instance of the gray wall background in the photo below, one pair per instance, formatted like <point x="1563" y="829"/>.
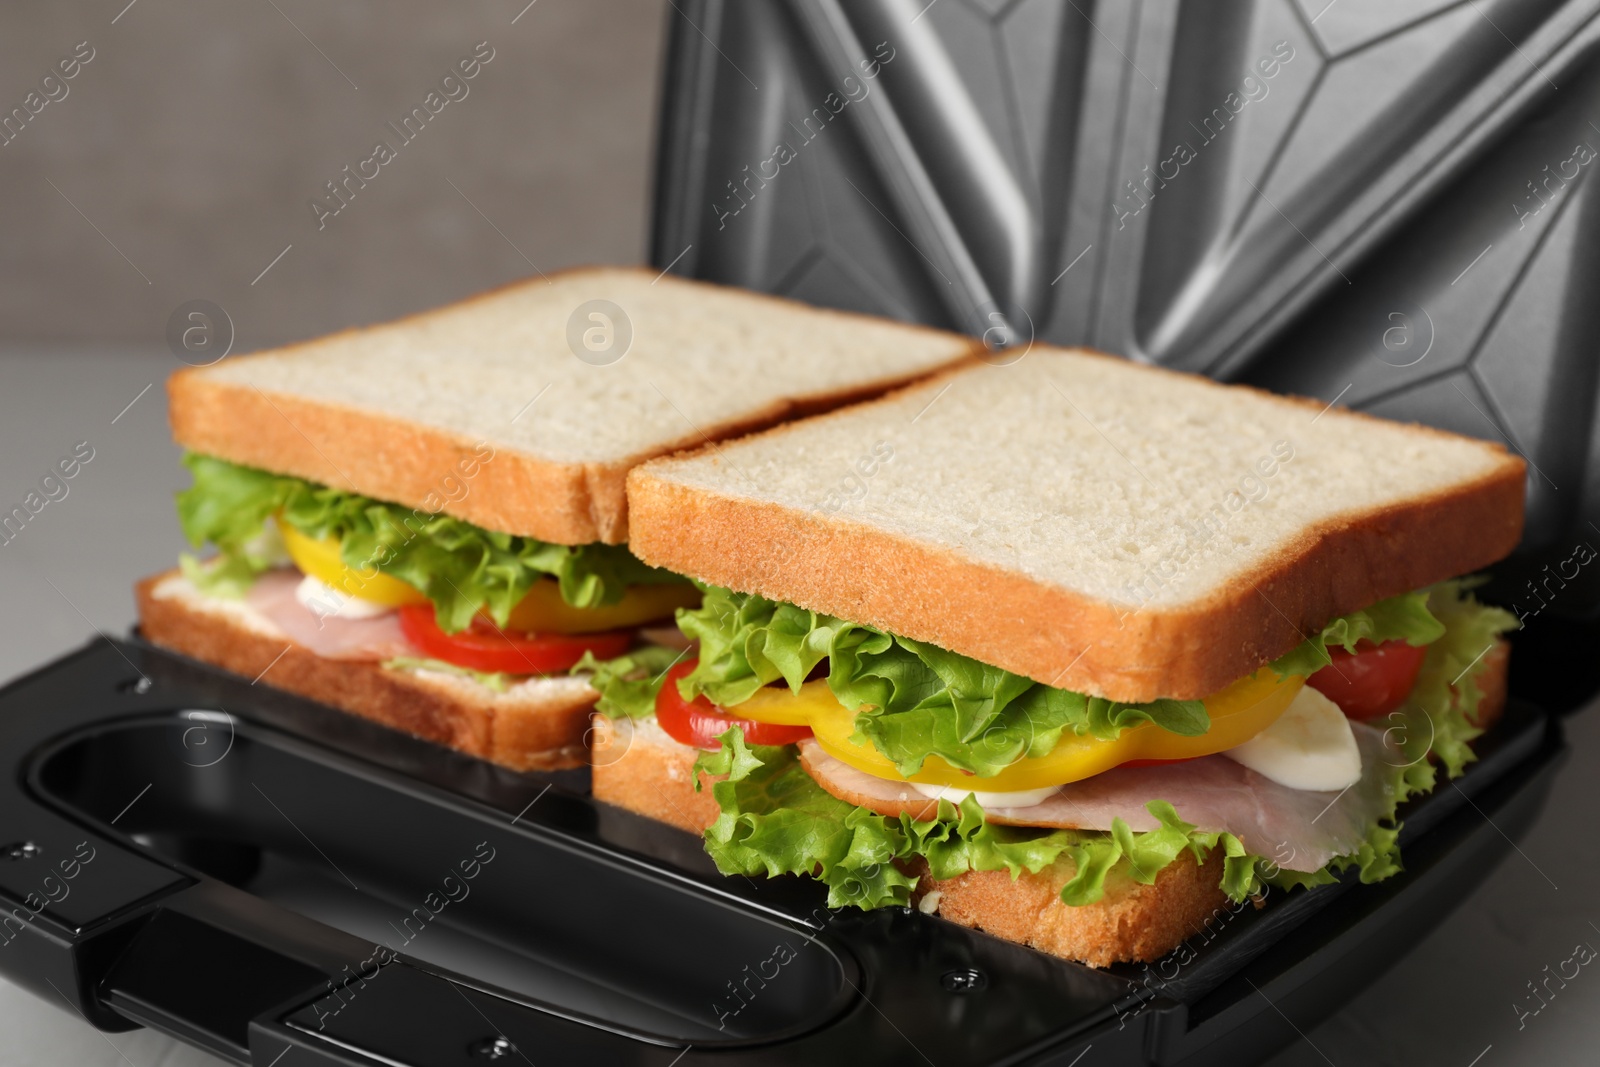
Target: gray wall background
<point x="197" y="134"/>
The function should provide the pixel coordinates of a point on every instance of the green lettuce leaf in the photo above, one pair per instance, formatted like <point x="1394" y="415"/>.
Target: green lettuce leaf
<point x="1143" y="856"/>
<point x="226" y="575"/>
<point x="1399" y="618"/>
<point x="462" y="568"/>
<point x="1436" y="719"/>
<point x="914" y="699"/>
<point x="628" y="684"/>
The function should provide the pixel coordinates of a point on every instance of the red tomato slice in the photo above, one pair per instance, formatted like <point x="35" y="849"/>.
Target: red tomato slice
<point x="1373" y="680"/>
<point x="697" y="723"/>
<point x="486" y="647"/>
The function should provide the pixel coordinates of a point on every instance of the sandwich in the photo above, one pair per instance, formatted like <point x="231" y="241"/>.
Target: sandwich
<point x="424" y="522"/>
<point x="1075" y="651"/>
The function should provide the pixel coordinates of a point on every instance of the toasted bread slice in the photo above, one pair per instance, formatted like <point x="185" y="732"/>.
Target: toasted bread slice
<point x="568" y="394"/>
<point x="537" y="724"/>
<point x="1087" y="522"/>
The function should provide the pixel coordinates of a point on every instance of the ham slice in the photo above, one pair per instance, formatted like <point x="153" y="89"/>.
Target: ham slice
<point x="1297" y="829"/>
<point x="377" y="638"/>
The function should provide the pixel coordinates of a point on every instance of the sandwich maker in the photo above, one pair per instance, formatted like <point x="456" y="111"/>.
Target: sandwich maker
<point x="1381" y="203"/>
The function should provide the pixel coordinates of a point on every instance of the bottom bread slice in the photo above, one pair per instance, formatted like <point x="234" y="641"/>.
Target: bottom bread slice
<point x="538" y="724"/>
<point x="637" y="766"/>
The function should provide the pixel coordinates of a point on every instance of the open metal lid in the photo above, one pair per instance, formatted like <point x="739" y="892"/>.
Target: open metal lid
<point x="1379" y="203"/>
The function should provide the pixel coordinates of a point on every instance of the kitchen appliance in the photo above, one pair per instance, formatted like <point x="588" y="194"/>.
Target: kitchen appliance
<point x="1382" y="204"/>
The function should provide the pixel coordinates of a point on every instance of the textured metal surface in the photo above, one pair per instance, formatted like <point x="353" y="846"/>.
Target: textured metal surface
<point x="1376" y="202"/>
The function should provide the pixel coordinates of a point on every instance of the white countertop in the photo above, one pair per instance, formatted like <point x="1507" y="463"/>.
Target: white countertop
<point x="1453" y="1001"/>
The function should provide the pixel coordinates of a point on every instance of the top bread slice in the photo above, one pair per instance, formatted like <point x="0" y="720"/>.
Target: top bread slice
<point x="568" y="394"/>
<point x="1088" y="522"/>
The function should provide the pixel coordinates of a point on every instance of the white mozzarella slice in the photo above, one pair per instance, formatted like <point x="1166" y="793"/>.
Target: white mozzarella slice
<point x="1017" y="798"/>
<point x="1310" y="746"/>
<point x="327" y="602"/>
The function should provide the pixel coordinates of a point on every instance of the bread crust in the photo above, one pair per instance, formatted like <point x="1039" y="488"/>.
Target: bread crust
<point x="1132" y="923"/>
<point x="392" y="459"/>
<point x="544" y="733"/>
<point x="653" y="776"/>
<point x="1056" y="635"/>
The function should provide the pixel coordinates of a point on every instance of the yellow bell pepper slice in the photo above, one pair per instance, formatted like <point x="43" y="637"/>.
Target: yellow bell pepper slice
<point x="320" y="558"/>
<point x="782" y="706"/>
<point x="541" y="611"/>
<point x="1237" y="714"/>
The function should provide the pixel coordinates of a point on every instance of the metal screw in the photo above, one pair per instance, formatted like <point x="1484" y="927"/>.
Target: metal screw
<point x="493" y="1048"/>
<point x="21" y="850"/>
<point x="964" y="980"/>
